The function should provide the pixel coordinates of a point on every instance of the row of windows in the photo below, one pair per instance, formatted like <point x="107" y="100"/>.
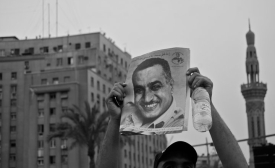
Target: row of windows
<point x="52" y="159"/>
<point x="98" y="85"/>
<point x="54" y="80"/>
<point x="98" y="99"/>
<point x="13" y="76"/>
<point x="13" y="91"/>
<point x="12" y="130"/>
<point x="52" y="144"/>
<point x="40" y="128"/>
<point x="111" y="54"/>
<point x="45" y="49"/>
<point x="13" y="116"/>
<point x="40" y="160"/>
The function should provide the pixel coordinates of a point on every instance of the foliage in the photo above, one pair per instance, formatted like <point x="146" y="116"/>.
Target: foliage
<point x="84" y="128"/>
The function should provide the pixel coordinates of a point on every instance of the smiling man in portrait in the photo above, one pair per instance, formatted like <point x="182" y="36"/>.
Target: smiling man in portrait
<point x="154" y="104"/>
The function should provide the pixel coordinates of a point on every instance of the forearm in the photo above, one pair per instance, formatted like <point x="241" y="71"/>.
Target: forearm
<point x="109" y="152"/>
<point x="225" y="143"/>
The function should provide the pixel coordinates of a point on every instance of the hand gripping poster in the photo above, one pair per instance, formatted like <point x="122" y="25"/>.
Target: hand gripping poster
<point x="157" y="94"/>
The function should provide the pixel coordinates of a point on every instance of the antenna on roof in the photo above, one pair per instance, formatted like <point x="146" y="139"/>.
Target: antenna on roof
<point x="42" y="18"/>
<point x="49" y="20"/>
<point x="56" y="18"/>
<point x="249" y="24"/>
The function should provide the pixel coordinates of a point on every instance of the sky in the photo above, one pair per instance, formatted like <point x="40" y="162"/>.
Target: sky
<point x="214" y="31"/>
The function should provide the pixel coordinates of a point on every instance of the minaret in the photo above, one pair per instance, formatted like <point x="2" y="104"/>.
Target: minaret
<point x="254" y="93"/>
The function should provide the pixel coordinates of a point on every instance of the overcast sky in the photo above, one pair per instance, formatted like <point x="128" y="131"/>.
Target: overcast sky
<point x="213" y="30"/>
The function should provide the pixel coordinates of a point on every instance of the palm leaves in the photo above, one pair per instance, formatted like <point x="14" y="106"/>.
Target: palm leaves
<point x="84" y="128"/>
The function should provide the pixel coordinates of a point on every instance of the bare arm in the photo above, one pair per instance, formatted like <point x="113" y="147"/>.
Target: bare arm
<point x="225" y="143"/>
<point x="109" y="154"/>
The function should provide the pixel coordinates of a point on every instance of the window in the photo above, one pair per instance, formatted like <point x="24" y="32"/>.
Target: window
<point x="64" y="159"/>
<point x="55" y="81"/>
<point x="125" y="165"/>
<point x="12" y="143"/>
<point x="27" y="65"/>
<point x="121" y="61"/>
<point x="12" y="157"/>
<point x="52" y="127"/>
<point x="52" y="96"/>
<point x="12" y="129"/>
<point x="40" y="144"/>
<point x="87" y="44"/>
<point x="43" y="81"/>
<point x="125" y="64"/>
<point x="40" y="129"/>
<point x="58" y="61"/>
<point x="2" y="52"/>
<point x="98" y="85"/>
<point x="81" y="59"/>
<point x="44" y="49"/>
<point x="13" y="76"/>
<point x="104" y="89"/>
<point x="52" y="111"/>
<point x="60" y="48"/>
<point x="41" y="112"/>
<point x="40" y="160"/>
<point x="63" y="144"/>
<point x="13" y="116"/>
<point x="1" y="77"/>
<point x="98" y="99"/>
<point x="13" y="91"/>
<point x="125" y="153"/>
<point x="52" y="160"/>
<point x="92" y="82"/>
<point x="13" y="102"/>
<point x="52" y="143"/>
<point x="92" y="97"/>
<point x="104" y="47"/>
<point x="77" y="46"/>
<point x="15" y="51"/>
<point x="66" y="79"/>
<point x="70" y="60"/>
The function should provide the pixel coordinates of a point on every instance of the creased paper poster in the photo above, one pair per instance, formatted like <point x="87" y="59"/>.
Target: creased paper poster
<point x="157" y="94"/>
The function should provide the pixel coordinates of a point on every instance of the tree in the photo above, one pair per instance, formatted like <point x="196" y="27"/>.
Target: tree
<point x="84" y="128"/>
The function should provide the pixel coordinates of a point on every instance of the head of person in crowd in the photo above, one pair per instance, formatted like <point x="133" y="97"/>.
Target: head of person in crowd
<point x="178" y="155"/>
<point x="153" y="88"/>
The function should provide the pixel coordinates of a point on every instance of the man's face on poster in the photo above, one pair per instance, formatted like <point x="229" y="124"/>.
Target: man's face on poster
<point x="152" y="92"/>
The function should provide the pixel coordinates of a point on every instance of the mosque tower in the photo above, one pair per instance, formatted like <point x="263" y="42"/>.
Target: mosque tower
<point x="254" y="93"/>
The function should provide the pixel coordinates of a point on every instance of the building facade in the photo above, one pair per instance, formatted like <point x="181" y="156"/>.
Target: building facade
<point x="141" y="150"/>
<point x="40" y="79"/>
<point x="254" y="93"/>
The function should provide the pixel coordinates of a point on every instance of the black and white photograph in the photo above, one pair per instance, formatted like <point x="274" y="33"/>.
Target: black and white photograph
<point x="137" y="83"/>
<point x="157" y="100"/>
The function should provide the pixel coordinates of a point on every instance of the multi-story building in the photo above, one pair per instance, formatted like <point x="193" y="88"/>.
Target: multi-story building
<point x="254" y="93"/>
<point x="40" y="78"/>
<point x="141" y="150"/>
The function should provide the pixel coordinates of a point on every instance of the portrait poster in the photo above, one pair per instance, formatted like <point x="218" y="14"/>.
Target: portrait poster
<point x="157" y="95"/>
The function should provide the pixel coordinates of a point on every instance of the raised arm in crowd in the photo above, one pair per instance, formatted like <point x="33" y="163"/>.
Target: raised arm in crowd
<point x="183" y="154"/>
